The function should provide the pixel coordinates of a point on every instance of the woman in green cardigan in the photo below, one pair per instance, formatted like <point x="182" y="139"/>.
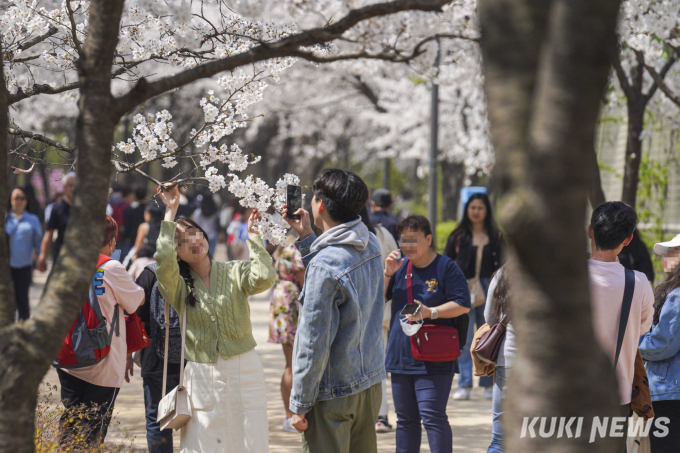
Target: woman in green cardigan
<point x="223" y="374"/>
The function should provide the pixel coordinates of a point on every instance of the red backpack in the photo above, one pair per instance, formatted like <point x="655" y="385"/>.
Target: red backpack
<point x="89" y="340"/>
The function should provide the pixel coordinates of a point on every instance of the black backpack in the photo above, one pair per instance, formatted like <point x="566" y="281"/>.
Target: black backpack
<point x="157" y="325"/>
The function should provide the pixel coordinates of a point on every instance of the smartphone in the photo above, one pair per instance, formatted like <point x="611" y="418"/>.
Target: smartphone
<point x="410" y="309"/>
<point x="293" y="201"/>
<point x="116" y="255"/>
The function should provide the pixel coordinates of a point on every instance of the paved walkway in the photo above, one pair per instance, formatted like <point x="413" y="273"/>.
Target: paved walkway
<point x="470" y="420"/>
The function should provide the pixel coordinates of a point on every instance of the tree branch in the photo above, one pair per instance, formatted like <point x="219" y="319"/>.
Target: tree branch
<point x="623" y="78"/>
<point x="41" y="89"/>
<point x="41" y="138"/>
<point x="368" y="92"/>
<point x="288" y="46"/>
<point x="38" y="39"/>
<point x="74" y="30"/>
<point x="659" y="82"/>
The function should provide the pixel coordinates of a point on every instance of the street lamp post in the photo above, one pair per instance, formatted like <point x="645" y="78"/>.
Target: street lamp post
<point x="434" y="135"/>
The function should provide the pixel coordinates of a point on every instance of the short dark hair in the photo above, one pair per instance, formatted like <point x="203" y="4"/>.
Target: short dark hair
<point x="415" y="223"/>
<point x="140" y="193"/>
<point x="343" y="193"/>
<point x="612" y="223"/>
<point x="382" y="198"/>
<point x="110" y="230"/>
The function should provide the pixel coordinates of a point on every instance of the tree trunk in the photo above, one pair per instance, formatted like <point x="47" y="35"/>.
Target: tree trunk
<point x="631" y="172"/>
<point x="7" y="301"/>
<point x="595" y="194"/>
<point x="453" y="176"/>
<point x="546" y="65"/>
<point x="26" y="350"/>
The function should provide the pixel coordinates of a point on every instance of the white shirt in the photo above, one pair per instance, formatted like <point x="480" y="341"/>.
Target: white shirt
<point x="607" y="280"/>
<point x="119" y="288"/>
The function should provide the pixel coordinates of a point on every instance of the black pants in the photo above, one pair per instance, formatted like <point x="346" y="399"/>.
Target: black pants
<point x="22" y="277"/>
<point x="94" y="402"/>
<point x="670" y="443"/>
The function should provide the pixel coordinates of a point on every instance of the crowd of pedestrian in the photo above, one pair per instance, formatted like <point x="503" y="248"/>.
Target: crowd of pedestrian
<point x="356" y="297"/>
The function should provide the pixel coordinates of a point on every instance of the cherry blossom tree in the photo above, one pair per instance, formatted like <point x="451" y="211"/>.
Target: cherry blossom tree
<point x="117" y="56"/>
<point x="647" y="75"/>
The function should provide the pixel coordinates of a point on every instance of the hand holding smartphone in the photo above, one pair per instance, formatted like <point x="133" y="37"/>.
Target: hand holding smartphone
<point x="293" y="201"/>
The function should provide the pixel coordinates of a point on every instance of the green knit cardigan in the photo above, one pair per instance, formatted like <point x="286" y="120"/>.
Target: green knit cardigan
<point x="220" y="320"/>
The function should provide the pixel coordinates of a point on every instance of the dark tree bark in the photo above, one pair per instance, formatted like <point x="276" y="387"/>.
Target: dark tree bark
<point x="7" y="303"/>
<point x="453" y="176"/>
<point x="546" y="65"/>
<point x="636" y="100"/>
<point x="595" y="194"/>
<point x="26" y="350"/>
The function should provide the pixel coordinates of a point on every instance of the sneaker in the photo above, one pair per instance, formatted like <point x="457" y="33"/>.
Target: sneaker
<point x="288" y="425"/>
<point x="382" y="425"/>
<point x="488" y="393"/>
<point x="462" y="394"/>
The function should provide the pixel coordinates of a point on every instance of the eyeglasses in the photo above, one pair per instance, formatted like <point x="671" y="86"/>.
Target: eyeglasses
<point x="20" y="198"/>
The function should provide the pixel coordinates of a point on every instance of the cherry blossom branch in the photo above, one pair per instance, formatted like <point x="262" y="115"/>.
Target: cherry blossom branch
<point x="286" y="47"/>
<point x="659" y="82"/>
<point x="623" y="78"/>
<point x="74" y="31"/>
<point x="40" y="89"/>
<point x="14" y="130"/>
<point x="38" y="39"/>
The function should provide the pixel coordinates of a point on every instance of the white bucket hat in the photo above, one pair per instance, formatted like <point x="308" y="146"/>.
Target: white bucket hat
<point x="662" y="247"/>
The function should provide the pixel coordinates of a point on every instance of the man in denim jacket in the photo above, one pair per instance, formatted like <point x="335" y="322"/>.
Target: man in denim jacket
<point x="339" y="359"/>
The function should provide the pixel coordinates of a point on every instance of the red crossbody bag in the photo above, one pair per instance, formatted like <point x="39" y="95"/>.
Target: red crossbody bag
<point x="433" y="342"/>
<point x="135" y="334"/>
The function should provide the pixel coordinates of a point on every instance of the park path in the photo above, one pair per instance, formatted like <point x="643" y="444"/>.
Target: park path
<point x="470" y="420"/>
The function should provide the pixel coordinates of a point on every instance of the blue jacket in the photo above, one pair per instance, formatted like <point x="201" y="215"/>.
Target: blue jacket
<point x="25" y="236"/>
<point x="339" y="349"/>
<point x="661" y="349"/>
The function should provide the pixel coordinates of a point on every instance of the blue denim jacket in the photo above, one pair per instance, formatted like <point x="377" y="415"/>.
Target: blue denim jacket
<point x="661" y="349"/>
<point x="339" y="348"/>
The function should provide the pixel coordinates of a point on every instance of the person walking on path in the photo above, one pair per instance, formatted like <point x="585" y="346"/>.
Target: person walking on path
<point x="151" y="364"/>
<point x="387" y="246"/>
<point x="58" y="220"/>
<point x="660" y="347"/>
<point x="24" y="235"/>
<point x="339" y="357"/>
<point x="382" y="204"/>
<point x="498" y="306"/>
<point x="223" y="376"/>
<point x="96" y="386"/>
<point x="284" y="313"/>
<point x="611" y="228"/>
<point x="420" y="389"/>
<point x="477" y="246"/>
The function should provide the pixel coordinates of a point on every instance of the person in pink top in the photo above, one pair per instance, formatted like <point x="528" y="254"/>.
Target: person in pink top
<point x="611" y="228"/>
<point x="97" y="386"/>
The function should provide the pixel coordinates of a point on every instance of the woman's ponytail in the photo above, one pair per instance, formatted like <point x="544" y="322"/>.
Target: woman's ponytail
<point x="185" y="273"/>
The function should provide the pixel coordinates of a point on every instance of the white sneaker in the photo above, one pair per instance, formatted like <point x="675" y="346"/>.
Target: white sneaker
<point x="488" y="393"/>
<point x="288" y="426"/>
<point x="462" y="394"/>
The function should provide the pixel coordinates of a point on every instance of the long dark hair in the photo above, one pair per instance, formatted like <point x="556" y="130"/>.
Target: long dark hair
<point x="366" y="218"/>
<point x="502" y="294"/>
<point x="184" y="269"/>
<point x="662" y="291"/>
<point x="464" y="229"/>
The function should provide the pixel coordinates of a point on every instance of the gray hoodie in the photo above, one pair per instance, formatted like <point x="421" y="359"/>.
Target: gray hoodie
<point x="352" y="233"/>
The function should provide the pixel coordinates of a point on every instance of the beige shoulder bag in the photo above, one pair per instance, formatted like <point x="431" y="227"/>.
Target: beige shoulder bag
<point x="174" y="410"/>
<point x="477" y="296"/>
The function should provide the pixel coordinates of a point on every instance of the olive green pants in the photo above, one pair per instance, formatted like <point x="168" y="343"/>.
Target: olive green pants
<point x="344" y="425"/>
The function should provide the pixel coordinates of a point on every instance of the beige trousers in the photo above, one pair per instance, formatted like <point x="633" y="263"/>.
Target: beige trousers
<point x="229" y="406"/>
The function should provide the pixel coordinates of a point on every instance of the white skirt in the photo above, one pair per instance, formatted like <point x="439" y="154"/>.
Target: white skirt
<point x="229" y="406"/>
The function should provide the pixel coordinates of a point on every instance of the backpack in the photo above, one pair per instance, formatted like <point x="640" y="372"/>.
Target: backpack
<point x="157" y="325"/>
<point x="89" y="341"/>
